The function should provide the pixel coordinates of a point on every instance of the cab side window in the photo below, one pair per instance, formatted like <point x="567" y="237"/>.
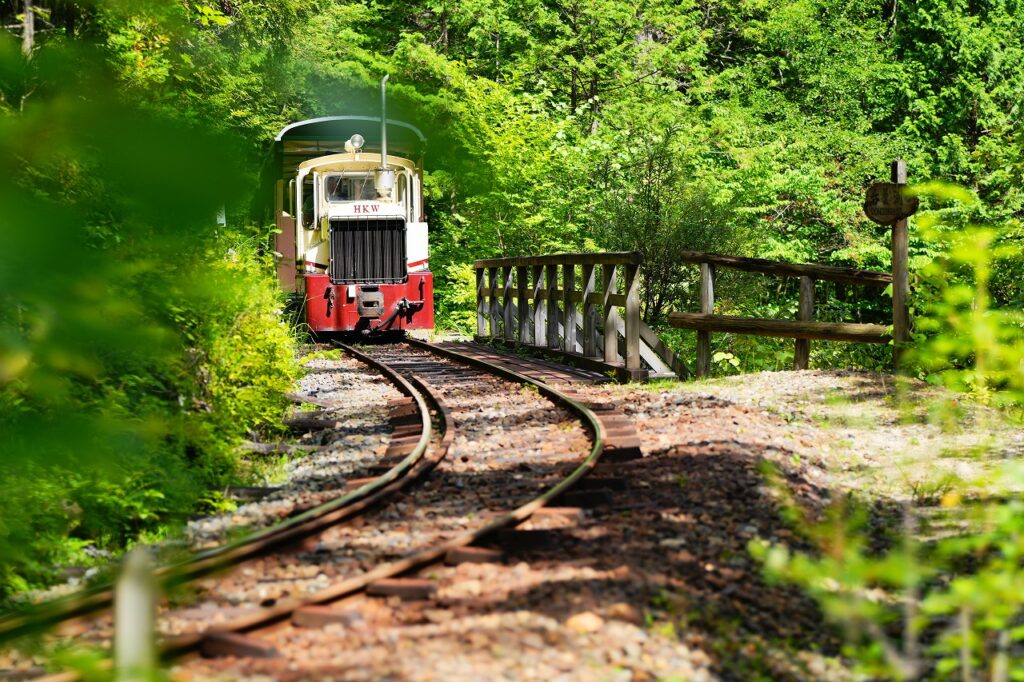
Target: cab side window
<point x="308" y="203"/>
<point x="401" y="193"/>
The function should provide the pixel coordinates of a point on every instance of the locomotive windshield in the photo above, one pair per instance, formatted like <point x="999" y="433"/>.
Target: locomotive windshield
<point x="350" y="188"/>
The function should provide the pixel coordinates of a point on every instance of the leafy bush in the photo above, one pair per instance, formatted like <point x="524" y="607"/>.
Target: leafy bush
<point x="137" y="346"/>
<point x="953" y="606"/>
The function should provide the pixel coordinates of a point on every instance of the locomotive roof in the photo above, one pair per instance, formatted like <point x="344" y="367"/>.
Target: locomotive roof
<point x="315" y="137"/>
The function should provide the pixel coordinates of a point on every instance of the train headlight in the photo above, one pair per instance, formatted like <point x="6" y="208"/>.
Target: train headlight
<point x="356" y="143"/>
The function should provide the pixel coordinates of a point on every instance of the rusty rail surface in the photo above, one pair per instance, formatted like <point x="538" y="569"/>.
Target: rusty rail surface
<point x="177" y="647"/>
<point x="41" y="616"/>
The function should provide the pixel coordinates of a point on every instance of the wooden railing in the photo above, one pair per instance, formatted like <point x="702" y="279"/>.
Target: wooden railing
<point x="538" y="302"/>
<point x="803" y="329"/>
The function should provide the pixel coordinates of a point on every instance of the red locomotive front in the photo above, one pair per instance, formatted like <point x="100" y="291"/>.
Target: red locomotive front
<point x="352" y="236"/>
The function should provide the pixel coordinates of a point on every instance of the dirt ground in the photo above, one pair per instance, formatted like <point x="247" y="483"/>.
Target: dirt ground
<point x="657" y="581"/>
<point x="870" y="433"/>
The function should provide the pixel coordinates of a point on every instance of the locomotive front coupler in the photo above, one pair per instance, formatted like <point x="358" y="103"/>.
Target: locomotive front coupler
<point x="369" y="302"/>
<point x="402" y="306"/>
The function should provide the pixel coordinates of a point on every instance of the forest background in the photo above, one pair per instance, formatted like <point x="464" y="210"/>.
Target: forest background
<point x="141" y="341"/>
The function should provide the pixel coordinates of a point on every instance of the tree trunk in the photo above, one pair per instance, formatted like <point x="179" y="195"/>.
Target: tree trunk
<point x="28" y="35"/>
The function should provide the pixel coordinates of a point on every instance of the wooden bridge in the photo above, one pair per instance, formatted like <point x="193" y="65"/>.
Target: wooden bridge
<point x="533" y="302"/>
<point x="538" y="303"/>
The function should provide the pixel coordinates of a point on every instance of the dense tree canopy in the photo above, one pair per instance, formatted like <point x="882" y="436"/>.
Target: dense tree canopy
<point x="743" y="126"/>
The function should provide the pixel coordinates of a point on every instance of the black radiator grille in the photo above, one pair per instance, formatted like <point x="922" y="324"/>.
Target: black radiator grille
<point x="368" y="251"/>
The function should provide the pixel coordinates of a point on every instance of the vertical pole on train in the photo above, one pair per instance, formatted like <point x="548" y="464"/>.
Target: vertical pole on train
<point x="900" y="275"/>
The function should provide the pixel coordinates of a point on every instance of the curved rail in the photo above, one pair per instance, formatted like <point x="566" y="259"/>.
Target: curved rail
<point x="39" y="617"/>
<point x="279" y="612"/>
<point x="188" y="644"/>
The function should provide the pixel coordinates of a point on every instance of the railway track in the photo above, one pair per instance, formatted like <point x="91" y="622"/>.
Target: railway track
<point x="342" y="502"/>
<point x="494" y="471"/>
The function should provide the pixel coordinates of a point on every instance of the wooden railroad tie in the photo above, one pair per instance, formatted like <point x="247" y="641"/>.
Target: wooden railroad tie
<point x="319" y="616"/>
<point x="221" y="644"/>
<point x="474" y="555"/>
<point x="406" y="589"/>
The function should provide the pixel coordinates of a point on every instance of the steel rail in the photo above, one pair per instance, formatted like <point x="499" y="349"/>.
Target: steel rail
<point x="41" y="616"/>
<point x="185" y="645"/>
<point x="279" y="612"/>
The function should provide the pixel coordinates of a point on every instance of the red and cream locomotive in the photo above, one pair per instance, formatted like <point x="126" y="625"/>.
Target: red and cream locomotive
<point x="352" y="233"/>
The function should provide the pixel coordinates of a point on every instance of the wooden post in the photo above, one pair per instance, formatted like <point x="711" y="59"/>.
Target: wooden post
<point x="552" y="282"/>
<point x="589" y="313"/>
<point x="481" y="303"/>
<point x="523" y="304"/>
<point x="632" y="317"/>
<point x="495" y="307"/>
<point x="540" y="311"/>
<point x="570" y="316"/>
<point x="135" y="619"/>
<point x="802" y="356"/>
<point x="707" y="307"/>
<point x="900" y="276"/>
<point x="509" y="324"/>
<point x="611" y="316"/>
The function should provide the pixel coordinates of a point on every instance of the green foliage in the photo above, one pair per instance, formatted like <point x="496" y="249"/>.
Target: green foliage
<point x="746" y="127"/>
<point x="961" y="340"/>
<point x="958" y="600"/>
<point x="137" y="345"/>
<point x="741" y="127"/>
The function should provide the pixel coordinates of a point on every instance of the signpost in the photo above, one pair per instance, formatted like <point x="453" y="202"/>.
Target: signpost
<point x="886" y="204"/>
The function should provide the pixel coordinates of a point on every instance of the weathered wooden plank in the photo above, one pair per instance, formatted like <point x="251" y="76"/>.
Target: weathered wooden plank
<point x="900" y="276"/>
<point x="523" y="303"/>
<point x="481" y="303"/>
<point x="215" y="644"/>
<point x="771" y="267"/>
<point x="707" y="307"/>
<point x="508" y="325"/>
<point x="589" y="312"/>
<point x="575" y="359"/>
<point x="569" y="307"/>
<point x="827" y="331"/>
<point x="606" y="258"/>
<point x="552" y="287"/>
<point x="540" y="312"/>
<point x="495" y="307"/>
<point x="632" y="316"/>
<point x="611" y="316"/>
<point x="558" y="293"/>
<point x="662" y="354"/>
<point x="805" y="313"/>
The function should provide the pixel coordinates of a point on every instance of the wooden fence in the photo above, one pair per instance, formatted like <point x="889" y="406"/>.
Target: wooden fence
<point x="553" y="302"/>
<point x="803" y="329"/>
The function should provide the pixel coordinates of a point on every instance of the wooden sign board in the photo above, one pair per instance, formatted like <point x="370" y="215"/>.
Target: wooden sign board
<point x="886" y="204"/>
